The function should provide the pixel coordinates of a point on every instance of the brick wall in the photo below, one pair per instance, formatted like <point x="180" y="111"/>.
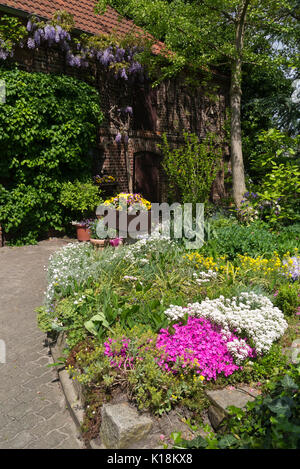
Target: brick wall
<point x="171" y="107"/>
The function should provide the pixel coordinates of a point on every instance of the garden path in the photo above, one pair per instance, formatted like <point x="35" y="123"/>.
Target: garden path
<point x="33" y="411"/>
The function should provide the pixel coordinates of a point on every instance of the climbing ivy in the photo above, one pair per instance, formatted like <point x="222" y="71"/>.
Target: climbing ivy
<point x="12" y="32"/>
<point x="48" y="126"/>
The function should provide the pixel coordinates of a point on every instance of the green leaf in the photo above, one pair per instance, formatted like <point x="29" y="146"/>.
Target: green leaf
<point x="227" y="441"/>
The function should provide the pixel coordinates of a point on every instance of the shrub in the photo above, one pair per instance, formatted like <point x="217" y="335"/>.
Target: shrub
<point x="254" y="239"/>
<point x="192" y="167"/>
<point x="47" y="127"/>
<point x="277" y="167"/>
<point x="288" y="298"/>
<point x="80" y="198"/>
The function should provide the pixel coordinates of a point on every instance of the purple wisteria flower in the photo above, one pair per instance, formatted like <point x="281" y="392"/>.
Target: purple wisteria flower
<point x="29" y="26"/>
<point x="37" y="37"/>
<point x="31" y="43"/>
<point x="109" y="57"/>
<point x="124" y="74"/>
<point x="118" y="138"/>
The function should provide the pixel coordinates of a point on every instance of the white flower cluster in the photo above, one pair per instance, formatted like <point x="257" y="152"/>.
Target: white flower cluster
<point x="251" y="315"/>
<point x="79" y="299"/>
<point x="74" y="263"/>
<point x="147" y="244"/>
<point x="239" y="349"/>
<point x="204" y="277"/>
<point x="69" y="266"/>
<point x="130" y="278"/>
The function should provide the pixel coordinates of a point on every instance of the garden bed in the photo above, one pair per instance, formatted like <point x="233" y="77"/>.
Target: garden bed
<point x="128" y="315"/>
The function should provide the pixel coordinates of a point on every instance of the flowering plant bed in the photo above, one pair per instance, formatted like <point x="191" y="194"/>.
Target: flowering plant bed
<point x="163" y="324"/>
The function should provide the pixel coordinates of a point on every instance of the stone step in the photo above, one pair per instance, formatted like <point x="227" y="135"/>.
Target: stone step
<point x="223" y="398"/>
<point x="122" y="426"/>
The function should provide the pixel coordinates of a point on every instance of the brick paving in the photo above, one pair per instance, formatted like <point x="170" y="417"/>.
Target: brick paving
<point x="33" y="411"/>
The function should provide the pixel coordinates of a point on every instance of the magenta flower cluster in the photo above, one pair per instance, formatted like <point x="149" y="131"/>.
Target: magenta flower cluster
<point x="198" y="345"/>
<point x="119" y="355"/>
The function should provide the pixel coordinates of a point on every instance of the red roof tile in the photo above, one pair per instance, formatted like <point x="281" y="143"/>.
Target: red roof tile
<point x="84" y="15"/>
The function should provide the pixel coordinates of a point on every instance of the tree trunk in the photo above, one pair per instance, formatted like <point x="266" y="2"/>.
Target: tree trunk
<point x="237" y="163"/>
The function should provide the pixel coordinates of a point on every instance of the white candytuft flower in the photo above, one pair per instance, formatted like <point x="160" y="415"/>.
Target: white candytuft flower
<point x="250" y="315"/>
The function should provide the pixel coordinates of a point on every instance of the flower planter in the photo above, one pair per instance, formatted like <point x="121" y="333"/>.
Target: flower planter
<point x="122" y="225"/>
<point x="102" y="243"/>
<point x="83" y="233"/>
<point x="99" y="243"/>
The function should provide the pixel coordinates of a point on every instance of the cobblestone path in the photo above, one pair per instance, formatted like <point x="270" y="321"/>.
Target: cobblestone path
<point x="33" y="411"/>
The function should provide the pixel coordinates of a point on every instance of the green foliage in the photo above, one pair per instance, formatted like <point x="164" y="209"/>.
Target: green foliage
<point x="274" y="146"/>
<point x="180" y="23"/>
<point x="270" y="422"/>
<point x="191" y="168"/>
<point x="270" y="119"/>
<point x="44" y="319"/>
<point x="255" y="239"/>
<point x="47" y="128"/>
<point x="274" y="166"/>
<point x="12" y="31"/>
<point x="63" y="19"/>
<point x="67" y="317"/>
<point x="282" y="183"/>
<point x="287" y="298"/>
<point x="80" y="198"/>
<point x="261" y="369"/>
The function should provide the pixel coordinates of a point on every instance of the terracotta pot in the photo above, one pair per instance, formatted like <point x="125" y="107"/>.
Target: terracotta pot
<point x="83" y="233"/>
<point x="99" y="243"/>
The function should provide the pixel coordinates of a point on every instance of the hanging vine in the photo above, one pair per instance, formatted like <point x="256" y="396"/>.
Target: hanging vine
<point x="118" y="55"/>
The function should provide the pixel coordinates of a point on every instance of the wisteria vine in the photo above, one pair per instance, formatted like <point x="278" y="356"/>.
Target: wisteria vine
<point x="121" y="61"/>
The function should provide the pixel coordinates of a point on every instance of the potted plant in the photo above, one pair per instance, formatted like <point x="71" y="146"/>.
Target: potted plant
<point x="83" y="231"/>
<point x="81" y="199"/>
<point x="134" y="205"/>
